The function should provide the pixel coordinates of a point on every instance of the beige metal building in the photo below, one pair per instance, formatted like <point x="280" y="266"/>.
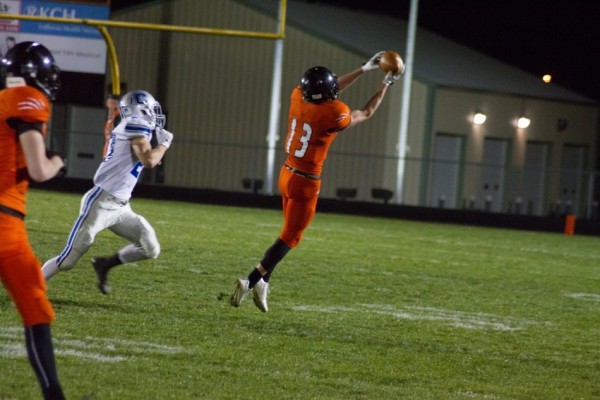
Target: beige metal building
<point x="217" y="93"/>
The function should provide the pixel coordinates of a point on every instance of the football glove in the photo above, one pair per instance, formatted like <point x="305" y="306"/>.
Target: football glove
<point x="164" y="137"/>
<point x="390" y="78"/>
<point x="373" y="62"/>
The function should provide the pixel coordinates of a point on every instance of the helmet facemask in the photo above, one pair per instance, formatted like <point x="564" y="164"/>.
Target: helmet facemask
<point x="141" y="104"/>
<point x="47" y="81"/>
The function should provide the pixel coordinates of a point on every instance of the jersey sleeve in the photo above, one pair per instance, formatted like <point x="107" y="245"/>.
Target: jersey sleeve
<point x="28" y="104"/>
<point x="343" y="118"/>
<point x="134" y="127"/>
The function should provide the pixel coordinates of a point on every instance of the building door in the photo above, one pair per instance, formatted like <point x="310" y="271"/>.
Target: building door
<point x="86" y="140"/>
<point x="492" y="174"/>
<point x="446" y="170"/>
<point x="534" y="177"/>
<point x="571" y="176"/>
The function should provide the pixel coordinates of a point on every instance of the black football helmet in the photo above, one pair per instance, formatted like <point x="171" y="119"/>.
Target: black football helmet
<point x="34" y="63"/>
<point x="318" y="85"/>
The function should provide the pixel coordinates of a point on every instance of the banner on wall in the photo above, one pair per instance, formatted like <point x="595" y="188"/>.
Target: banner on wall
<point x="76" y="48"/>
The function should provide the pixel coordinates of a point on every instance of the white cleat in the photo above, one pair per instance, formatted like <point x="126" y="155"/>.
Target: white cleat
<point x="241" y="290"/>
<point x="260" y="292"/>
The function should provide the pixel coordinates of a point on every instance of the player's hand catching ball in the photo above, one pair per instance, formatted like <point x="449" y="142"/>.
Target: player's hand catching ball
<point x="390" y="78"/>
<point x="373" y="62"/>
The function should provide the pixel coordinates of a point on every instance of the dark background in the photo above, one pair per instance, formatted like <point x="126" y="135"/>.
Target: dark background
<point x="557" y="37"/>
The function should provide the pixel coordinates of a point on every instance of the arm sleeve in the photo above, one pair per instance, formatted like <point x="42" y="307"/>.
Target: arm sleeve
<point x="342" y="119"/>
<point x="21" y="126"/>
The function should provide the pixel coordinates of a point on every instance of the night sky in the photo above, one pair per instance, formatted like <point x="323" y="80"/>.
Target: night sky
<point x="557" y="37"/>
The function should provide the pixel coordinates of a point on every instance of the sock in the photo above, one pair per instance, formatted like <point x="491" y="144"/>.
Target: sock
<point x="267" y="276"/>
<point x="53" y="393"/>
<point x="113" y="261"/>
<point x="254" y="277"/>
<point x="272" y="256"/>
<point x="40" y="352"/>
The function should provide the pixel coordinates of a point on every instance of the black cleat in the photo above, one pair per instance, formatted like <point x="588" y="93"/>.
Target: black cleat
<point x="101" y="267"/>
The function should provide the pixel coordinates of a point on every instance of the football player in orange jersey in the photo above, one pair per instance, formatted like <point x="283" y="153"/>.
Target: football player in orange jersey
<point x="315" y="118"/>
<point x="113" y="114"/>
<point x="30" y="80"/>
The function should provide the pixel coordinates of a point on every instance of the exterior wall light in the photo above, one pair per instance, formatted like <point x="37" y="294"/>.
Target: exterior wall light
<point x="523" y="122"/>
<point x="479" y="118"/>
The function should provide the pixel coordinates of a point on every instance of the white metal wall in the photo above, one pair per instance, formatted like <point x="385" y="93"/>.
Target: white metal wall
<point x="455" y="108"/>
<point x="137" y="51"/>
<point x="216" y="91"/>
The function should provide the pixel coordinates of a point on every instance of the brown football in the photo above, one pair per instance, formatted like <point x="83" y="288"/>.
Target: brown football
<point x="391" y="61"/>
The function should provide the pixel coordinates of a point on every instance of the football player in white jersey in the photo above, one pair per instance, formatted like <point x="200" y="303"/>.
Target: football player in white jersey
<point x="106" y="205"/>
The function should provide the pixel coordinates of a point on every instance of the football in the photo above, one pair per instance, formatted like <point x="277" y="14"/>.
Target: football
<point x="391" y="61"/>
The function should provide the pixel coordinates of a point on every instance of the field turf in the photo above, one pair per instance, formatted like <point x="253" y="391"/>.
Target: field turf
<point x="364" y="308"/>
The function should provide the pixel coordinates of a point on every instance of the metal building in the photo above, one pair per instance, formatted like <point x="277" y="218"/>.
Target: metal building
<point x="216" y="92"/>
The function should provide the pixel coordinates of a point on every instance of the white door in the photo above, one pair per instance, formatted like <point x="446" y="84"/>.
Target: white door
<point x="492" y="174"/>
<point x="85" y="127"/>
<point x="534" y="176"/>
<point x="571" y="175"/>
<point x="446" y="171"/>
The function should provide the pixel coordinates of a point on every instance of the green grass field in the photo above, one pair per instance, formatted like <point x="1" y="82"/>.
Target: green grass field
<point x="364" y="308"/>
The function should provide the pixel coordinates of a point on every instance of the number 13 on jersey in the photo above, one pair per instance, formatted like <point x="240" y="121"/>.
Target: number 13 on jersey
<point x="304" y="139"/>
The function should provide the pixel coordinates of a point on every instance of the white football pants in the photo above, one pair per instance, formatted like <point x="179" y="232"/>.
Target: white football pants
<point x="100" y="210"/>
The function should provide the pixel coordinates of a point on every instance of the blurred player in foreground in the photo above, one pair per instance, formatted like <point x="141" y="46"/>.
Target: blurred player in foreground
<point x="315" y="119"/>
<point x="106" y="205"/>
<point x="31" y="80"/>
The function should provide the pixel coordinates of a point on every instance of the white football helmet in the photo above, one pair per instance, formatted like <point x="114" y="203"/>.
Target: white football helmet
<point x="141" y="103"/>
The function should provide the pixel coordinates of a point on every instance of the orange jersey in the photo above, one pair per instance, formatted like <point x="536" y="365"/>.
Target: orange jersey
<point x="311" y="130"/>
<point x="113" y="112"/>
<point x="29" y="105"/>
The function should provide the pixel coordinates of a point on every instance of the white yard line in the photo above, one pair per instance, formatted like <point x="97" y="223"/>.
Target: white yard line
<point x="457" y="319"/>
<point x="89" y="348"/>
<point x="584" y="296"/>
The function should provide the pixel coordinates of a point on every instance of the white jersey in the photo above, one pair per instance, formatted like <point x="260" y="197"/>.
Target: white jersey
<point x="120" y="170"/>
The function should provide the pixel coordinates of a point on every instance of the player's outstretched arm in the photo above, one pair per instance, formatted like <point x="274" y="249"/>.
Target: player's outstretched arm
<point x="363" y="114"/>
<point x="348" y="79"/>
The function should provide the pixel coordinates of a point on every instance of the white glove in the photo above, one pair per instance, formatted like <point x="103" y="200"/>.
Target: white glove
<point x="373" y="62"/>
<point x="390" y="78"/>
<point x="164" y="137"/>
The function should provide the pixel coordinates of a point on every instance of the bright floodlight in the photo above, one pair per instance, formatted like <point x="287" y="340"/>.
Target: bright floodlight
<point x="479" y="118"/>
<point x="523" y="122"/>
